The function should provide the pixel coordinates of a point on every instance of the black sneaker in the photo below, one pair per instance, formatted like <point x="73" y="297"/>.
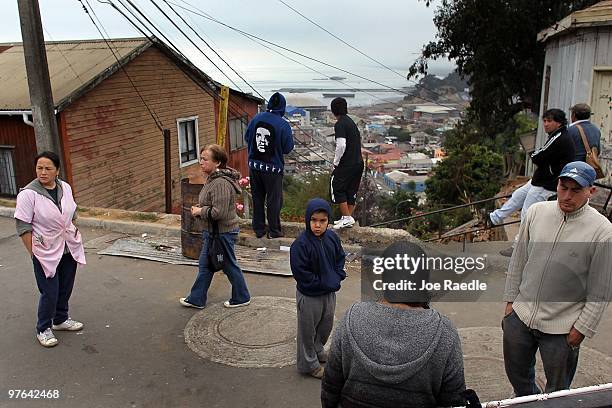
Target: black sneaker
<point x="260" y="234"/>
<point x="487" y="221"/>
<point x="507" y="252"/>
<point x="272" y="235"/>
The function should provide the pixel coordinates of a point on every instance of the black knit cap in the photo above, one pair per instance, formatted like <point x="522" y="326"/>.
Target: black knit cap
<point x="339" y="106"/>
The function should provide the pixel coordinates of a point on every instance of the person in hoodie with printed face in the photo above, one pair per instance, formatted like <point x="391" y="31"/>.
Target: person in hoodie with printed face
<point x="218" y="200"/>
<point x="44" y="217"/>
<point x="268" y="138"/>
<point x="317" y="264"/>
<point x="396" y="352"/>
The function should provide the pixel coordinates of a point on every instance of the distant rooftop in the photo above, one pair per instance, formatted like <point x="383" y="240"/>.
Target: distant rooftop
<point x="303" y="101"/>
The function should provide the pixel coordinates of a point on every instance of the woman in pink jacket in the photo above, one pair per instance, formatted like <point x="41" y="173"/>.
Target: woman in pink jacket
<point x="44" y="214"/>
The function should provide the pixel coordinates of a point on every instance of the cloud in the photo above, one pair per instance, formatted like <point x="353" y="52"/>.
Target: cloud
<point x="392" y="31"/>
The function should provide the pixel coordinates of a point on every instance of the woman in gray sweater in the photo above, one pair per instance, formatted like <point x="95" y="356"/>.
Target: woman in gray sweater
<point x="394" y="353"/>
<point x="217" y="200"/>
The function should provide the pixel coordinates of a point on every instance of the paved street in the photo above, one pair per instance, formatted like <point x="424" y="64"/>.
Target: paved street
<point x="132" y="351"/>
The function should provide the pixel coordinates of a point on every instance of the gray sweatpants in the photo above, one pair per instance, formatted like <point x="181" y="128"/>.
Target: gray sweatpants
<point x="315" y="315"/>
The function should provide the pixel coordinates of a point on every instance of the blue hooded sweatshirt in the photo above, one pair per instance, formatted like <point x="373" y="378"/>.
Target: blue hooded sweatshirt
<point x="269" y="137"/>
<point x="317" y="263"/>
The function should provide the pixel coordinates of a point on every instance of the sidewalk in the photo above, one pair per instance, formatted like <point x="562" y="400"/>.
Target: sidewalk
<point x="133" y="351"/>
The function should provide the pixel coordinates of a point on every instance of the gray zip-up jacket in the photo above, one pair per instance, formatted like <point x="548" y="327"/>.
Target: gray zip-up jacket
<point x="560" y="274"/>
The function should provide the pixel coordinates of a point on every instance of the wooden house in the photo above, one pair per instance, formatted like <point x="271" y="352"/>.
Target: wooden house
<point x="111" y="108"/>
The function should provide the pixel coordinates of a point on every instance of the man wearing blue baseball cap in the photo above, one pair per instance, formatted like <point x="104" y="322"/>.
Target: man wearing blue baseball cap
<point x="558" y="283"/>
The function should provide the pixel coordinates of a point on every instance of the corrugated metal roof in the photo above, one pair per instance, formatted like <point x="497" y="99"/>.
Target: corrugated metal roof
<point x="73" y="65"/>
<point x="599" y="14"/>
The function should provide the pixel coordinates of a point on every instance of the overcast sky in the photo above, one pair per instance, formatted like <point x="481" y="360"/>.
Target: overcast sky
<point x="391" y="31"/>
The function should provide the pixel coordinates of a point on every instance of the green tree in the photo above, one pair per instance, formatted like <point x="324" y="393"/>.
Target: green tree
<point x="297" y="192"/>
<point x="469" y="173"/>
<point x="494" y="44"/>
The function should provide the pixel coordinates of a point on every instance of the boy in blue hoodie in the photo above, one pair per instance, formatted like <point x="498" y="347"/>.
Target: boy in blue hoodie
<point x="268" y="138"/>
<point x="317" y="264"/>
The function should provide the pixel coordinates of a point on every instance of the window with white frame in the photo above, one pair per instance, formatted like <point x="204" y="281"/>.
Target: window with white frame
<point x="188" y="140"/>
<point x="237" y="127"/>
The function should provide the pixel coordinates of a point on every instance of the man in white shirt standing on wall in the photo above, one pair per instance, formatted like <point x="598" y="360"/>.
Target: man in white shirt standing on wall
<point x="348" y="164"/>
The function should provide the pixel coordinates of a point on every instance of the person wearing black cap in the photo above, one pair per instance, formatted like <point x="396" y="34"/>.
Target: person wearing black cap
<point x="581" y="115"/>
<point x="348" y="164"/>
<point x="397" y="352"/>
<point x="558" y="283"/>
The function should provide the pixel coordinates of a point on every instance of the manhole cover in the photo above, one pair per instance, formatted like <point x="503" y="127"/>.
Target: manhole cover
<point x="483" y="361"/>
<point x="259" y="335"/>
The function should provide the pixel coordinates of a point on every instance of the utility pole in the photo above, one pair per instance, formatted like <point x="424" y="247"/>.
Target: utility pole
<point x="41" y="97"/>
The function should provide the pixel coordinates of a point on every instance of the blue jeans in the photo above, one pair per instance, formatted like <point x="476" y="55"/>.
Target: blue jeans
<point x="199" y="290"/>
<point x="522" y="198"/>
<point x="54" y="292"/>
<point x="520" y="346"/>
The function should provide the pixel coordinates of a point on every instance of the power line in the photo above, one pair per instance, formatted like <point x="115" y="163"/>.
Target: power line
<point x="244" y="33"/>
<point x="358" y="50"/>
<point x="153" y="115"/>
<point x="214" y="95"/>
<point x="341" y="40"/>
<point x="211" y="48"/>
<point x="167" y="17"/>
<point x="76" y="74"/>
<point x="194" y="44"/>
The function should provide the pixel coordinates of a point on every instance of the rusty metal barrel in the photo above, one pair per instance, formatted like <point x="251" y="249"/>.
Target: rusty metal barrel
<point x="191" y="227"/>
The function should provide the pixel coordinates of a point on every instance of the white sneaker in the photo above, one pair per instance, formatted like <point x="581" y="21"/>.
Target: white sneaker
<point x="345" y="222"/>
<point x="186" y="303"/>
<point x="69" y="325"/>
<point x="47" y="338"/>
<point x="339" y="220"/>
<point x="228" y="304"/>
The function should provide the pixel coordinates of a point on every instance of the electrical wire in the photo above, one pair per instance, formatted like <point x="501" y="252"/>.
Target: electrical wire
<point x="76" y="74"/>
<point x="356" y="49"/>
<point x="246" y="34"/>
<point x="212" y="49"/>
<point x="213" y="94"/>
<point x="157" y="29"/>
<point x="152" y="113"/>
<point x="341" y="40"/>
<point x="194" y="44"/>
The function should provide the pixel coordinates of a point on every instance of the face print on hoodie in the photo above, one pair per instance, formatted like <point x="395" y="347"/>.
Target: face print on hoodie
<point x="264" y="142"/>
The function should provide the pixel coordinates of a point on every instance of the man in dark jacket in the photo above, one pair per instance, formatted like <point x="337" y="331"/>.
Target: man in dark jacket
<point x="268" y="138"/>
<point x="317" y="264"/>
<point x="549" y="160"/>
<point x="581" y="113"/>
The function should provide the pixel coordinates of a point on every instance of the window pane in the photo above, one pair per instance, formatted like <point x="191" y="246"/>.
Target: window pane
<point x="192" y="154"/>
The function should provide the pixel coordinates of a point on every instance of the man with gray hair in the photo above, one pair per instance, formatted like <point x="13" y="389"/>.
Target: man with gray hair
<point x="558" y="283"/>
<point x="580" y="116"/>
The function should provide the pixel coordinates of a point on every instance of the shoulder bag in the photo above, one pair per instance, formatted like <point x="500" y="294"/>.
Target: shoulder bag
<point x="592" y="155"/>
<point x="216" y="251"/>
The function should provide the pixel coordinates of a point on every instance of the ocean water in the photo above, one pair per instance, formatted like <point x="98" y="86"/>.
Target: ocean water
<point x="366" y="93"/>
